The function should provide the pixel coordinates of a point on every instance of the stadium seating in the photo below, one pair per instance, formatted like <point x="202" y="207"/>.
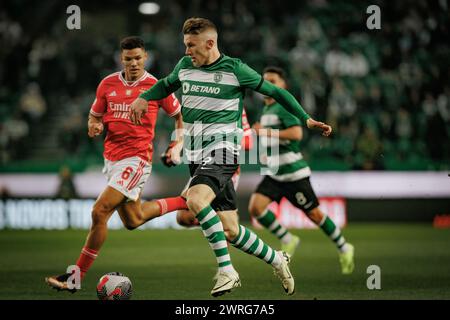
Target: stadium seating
<point x="393" y="79"/>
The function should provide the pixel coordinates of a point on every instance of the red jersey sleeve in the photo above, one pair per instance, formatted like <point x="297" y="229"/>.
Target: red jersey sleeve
<point x="99" y="105"/>
<point x="170" y="104"/>
<point x="247" y="141"/>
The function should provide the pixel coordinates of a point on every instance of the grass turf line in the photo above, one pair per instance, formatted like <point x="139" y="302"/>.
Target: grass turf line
<point x="173" y="264"/>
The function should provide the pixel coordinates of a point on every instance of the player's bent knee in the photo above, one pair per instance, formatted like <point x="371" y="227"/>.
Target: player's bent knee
<point x="196" y="204"/>
<point x="255" y="210"/>
<point x="315" y="215"/>
<point x="252" y="210"/>
<point x="100" y="213"/>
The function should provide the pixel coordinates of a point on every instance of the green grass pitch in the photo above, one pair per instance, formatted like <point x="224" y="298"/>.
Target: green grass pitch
<point x="178" y="264"/>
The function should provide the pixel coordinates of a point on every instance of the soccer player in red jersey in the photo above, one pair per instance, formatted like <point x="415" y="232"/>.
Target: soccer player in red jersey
<point x="127" y="151"/>
<point x="172" y="157"/>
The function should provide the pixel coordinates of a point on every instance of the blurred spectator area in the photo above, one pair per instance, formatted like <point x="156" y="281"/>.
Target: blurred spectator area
<point x="386" y="92"/>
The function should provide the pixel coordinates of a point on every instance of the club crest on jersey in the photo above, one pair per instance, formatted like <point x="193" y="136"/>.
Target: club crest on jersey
<point x="142" y="90"/>
<point x="186" y="87"/>
<point x="128" y="92"/>
<point x="218" y="77"/>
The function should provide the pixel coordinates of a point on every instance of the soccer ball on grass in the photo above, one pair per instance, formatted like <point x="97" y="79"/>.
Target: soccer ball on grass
<point x="114" y="286"/>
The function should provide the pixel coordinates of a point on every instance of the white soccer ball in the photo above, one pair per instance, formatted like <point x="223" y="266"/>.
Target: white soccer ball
<point x="114" y="286"/>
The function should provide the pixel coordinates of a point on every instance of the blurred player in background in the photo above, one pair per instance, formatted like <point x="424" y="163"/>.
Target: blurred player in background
<point x="289" y="176"/>
<point x="127" y="151"/>
<point x="213" y="87"/>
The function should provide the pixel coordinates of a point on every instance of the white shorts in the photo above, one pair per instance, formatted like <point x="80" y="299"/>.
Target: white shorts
<point x="128" y="176"/>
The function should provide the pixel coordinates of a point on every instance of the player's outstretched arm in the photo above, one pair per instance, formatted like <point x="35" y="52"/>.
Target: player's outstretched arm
<point x="172" y="156"/>
<point x="137" y="109"/>
<point x="140" y="105"/>
<point x="95" y="126"/>
<point x="294" y="133"/>
<point x="158" y="91"/>
<point x="325" y="128"/>
<point x="175" y="154"/>
<point x="288" y="101"/>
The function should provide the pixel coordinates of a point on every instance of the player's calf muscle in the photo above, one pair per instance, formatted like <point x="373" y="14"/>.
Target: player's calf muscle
<point x="131" y="225"/>
<point x="150" y="210"/>
<point x="132" y="216"/>
<point x="129" y="221"/>
<point x="185" y="218"/>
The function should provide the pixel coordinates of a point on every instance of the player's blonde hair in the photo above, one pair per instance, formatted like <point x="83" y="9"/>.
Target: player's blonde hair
<point x="198" y="25"/>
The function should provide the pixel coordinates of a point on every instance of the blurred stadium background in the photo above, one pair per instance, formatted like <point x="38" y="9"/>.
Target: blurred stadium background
<point x="386" y="92"/>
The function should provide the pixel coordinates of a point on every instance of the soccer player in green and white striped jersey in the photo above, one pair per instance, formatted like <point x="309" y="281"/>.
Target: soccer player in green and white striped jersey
<point x="213" y="86"/>
<point x="288" y="176"/>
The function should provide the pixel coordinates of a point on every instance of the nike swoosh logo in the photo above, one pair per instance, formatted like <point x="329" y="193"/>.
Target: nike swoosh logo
<point x="223" y="285"/>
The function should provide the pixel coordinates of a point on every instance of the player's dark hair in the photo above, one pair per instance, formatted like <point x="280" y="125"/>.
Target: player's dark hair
<point x="197" y="25"/>
<point x="132" y="42"/>
<point x="279" y="71"/>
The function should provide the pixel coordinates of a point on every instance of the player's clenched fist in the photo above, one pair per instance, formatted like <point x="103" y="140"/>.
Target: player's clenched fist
<point x="313" y="124"/>
<point x="137" y="109"/>
<point x="95" y="129"/>
<point x="172" y="156"/>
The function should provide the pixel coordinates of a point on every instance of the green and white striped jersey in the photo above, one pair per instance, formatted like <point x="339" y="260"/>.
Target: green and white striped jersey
<point x="212" y="102"/>
<point x="282" y="159"/>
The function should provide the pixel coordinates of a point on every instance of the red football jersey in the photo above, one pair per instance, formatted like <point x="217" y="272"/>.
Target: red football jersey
<point x="113" y="99"/>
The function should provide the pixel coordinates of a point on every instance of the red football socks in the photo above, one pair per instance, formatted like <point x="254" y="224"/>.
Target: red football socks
<point x="85" y="260"/>
<point x="171" y="204"/>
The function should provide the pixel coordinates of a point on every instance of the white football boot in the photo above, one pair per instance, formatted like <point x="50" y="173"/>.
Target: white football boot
<point x="283" y="272"/>
<point x="225" y="282"/>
